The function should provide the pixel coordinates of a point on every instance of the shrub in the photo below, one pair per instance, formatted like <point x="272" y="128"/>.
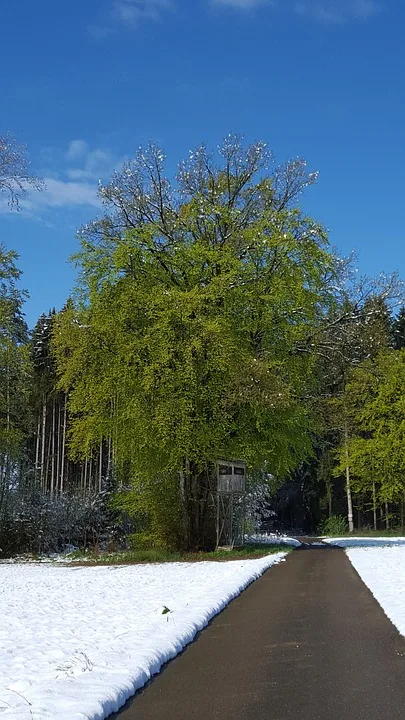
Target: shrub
<point x="334" y="525"/>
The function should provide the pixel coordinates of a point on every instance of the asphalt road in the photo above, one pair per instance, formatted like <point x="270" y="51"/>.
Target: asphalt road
<point x="305" y="642"/>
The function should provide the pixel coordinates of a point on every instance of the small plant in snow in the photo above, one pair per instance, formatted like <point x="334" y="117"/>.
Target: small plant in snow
<point x="74" y="665"/>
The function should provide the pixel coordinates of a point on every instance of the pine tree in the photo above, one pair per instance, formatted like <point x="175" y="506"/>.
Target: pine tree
<point x="398" y="330"/>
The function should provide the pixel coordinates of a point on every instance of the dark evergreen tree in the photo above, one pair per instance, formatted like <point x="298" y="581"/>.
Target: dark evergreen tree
<point x="398" y="330"/>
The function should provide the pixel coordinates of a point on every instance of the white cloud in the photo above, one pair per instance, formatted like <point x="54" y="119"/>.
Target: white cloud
<point x="87" y="164"/>
<point x="129" y="14"/>
<point x="76" y="181"/>
<point x="337" y="12"/>
<point x="61" y="193"/>
<point x="365" y="8"/>
<point x="71" y="179"/>
<point x="58" y="194"/>
<point x="331" y="12"/>
<point x="243" y="4"/>
<point x="77" y="149"/>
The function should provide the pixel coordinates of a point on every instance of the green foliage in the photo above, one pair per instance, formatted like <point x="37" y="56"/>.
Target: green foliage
<point x="15" y="373"/>
<point x="334" y="525"/>
<point x="154" y="503"/>
<point x="193" y="337"/>
<point x="398" y="330"/>
<point x="374" y="401"/>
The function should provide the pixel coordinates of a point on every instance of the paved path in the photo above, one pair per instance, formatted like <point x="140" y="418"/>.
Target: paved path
<point x="305" y="642"/>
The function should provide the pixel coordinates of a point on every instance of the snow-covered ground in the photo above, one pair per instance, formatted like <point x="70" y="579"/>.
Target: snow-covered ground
<point x="380" y="562"/>
<point x="77" y="642"/>
<point x="273" y="539"/>
<point x="349" y="542"/>
<point x="382" y="569"/>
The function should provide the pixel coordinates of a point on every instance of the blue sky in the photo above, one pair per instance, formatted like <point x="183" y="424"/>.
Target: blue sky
<point x="85" y="83"/>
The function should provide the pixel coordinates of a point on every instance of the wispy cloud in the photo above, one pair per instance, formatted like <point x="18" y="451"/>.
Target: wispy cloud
<point x="129" y="14"/>
<point x="71" y="179"/>
<point x="243" y="4"/>
<point x="62" y="193"/>
<point x="87" y="164"/>
<point x="58" y="194"/>
<point x="331" y="12"/>
<point x="338" y="12"/>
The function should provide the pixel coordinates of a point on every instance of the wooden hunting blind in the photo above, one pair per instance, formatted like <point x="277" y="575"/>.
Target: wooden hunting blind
<point x="231" y="487"/>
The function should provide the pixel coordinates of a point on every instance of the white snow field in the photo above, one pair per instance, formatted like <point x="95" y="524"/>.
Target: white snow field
<point x="380" y="563"/>
<point x="273" y="539"/>
<point x="349" y="542"/>
<point x="77" y="642"/>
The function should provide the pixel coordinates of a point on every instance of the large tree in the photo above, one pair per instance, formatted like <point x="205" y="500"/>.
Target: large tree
<point x="15" y="373"/>
<point x="196" y="331"/>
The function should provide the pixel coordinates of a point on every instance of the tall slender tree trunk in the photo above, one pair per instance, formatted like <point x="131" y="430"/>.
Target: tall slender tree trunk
<point x="43" y="443"/>
<point x="402" y="516"/>
<point x="348" y="488"/>
<point x="48" y="457"/>
<point x="53" y="449"/>
<point x="62" y="470"/>
<point x="100" y="468"/>
<point x="7" y="464"/>
<point x="37" y="441"/>
<point x="387" y="520"/>
<point x="328" y="485"/>
<point x="374" y="508"/>
<point x="58" y="448"/>
<point x="109" y="460"/>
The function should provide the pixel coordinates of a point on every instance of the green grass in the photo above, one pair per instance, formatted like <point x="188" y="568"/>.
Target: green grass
<point x="134" y="557"/>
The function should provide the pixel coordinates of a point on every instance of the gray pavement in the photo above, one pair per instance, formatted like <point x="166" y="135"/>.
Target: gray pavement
<point x="305" y="642"/>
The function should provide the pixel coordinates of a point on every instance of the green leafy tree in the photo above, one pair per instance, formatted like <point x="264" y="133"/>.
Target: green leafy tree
<point x="15" y="373"/>
<point x="375" y="404"/>
<point x="195" y="333"/>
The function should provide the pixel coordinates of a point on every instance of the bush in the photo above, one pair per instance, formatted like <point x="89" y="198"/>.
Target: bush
<point x="36" y="523"/>
<point x="334" y="525"/>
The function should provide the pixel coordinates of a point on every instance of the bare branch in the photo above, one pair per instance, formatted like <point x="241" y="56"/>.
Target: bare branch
<point x="16" y="177"/>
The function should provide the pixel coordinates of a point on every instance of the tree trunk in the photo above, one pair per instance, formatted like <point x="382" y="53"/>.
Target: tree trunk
<point x="100" y="468"/>
<point x="348" y="488"/>
<point x="53" y="450"/>
<point x="109" y="461"/>
<point x="387" y="520"/>
<point x="37" y="448"/>
<point x="329" y="493"/>
<point x="62" y="470"/>
<point x="43" y="444"/>
<point x="48" y="454"/>
<point x="402" y="516"/>
<point x="58" y="451"/>
<point x="374" y="508"/>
